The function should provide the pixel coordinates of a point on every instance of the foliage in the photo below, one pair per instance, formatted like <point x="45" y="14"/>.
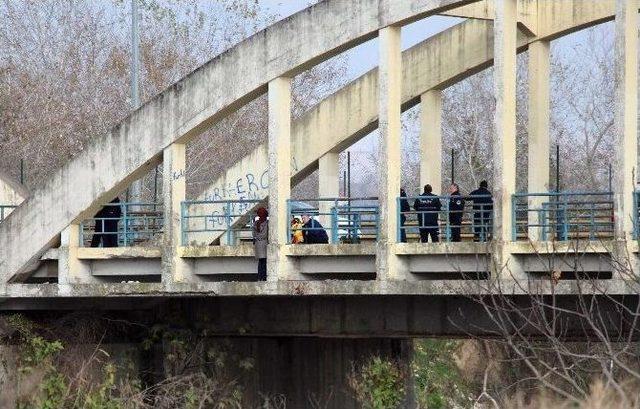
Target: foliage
<point x="436" y="375"/>
<point x="378" y="383"/>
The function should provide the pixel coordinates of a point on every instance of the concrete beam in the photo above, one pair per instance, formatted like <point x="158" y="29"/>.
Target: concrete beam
<point x="389" y="149"/>
<point x="527" y="16"/>
<point x="174" y="268"/>
<point x="431" y="139"/>
<point x="504" y="150"/>
<point x="538" y="129"/>
<point x="626" y="117"/>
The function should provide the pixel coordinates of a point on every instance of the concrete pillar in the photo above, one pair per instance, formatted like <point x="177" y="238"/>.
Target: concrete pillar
<point x="328" y="184"/>
<point x="504" y="147"/>
<point x="389" y="148"/>
<point x="278" y="265"/>
<point x="538" y="172"/>
<point x="175" y="269"/>
<point x="626" y="57"/>
<point x="72" y="270"/>
<point x="431" y="140"/>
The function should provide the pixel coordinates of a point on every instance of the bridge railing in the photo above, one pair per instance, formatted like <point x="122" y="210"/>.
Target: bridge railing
<point x="5" y="210"/>
<point x="139" y="224"/>
<point x="205" y="221"/>
<point x="563" y="216"/>
<point x="474" y="221"/>
<point x="345" y="220"/>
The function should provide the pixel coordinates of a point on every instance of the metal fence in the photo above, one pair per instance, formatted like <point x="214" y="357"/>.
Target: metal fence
<point x="563" y="216"/>
<point x="137" y="223"/>
<point x="5" y="210"/>
<point x="460" y="218"/>
<point x="204" y="222"/>
<point x="344" y="220"/>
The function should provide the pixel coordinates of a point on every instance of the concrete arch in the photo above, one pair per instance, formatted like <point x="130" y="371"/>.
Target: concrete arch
<point x="188" y="107"/>
<point x="449" y="57"/>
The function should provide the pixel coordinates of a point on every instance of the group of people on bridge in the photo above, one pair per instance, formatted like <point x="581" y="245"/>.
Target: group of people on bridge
<point x="428" y="207"/>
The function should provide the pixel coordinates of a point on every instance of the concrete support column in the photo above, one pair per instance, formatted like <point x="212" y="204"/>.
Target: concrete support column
<point x="175" y="269"/>
<point x="504" y="146"/>
<point x="431" y="140"/>
<point x="626" y="57"/>
<point x="539" y="103"/>
<point x="389" y="147"/>
<point x="278" y="265"/>
<point x="72" y="270"/>
<point x="328" y="184"/>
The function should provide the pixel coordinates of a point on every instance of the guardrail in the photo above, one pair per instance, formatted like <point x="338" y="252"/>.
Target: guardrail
<point x="345" y="220"/>
<point x="472" y="221"/>
<point x="203" y="222"/>
<point x="5" y="210"/>
<point x="136" y="224"/>
<point x="563" y="215"/>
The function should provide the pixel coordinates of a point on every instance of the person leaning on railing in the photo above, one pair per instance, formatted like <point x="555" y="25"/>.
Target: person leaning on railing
<point x="404" y="209"/>
<point x="482" y="209"/>
<point x="312" y="231"/>
<point x="260" y="233"/>
<point x="427" y="207"/>
<point x="106" y="225"/>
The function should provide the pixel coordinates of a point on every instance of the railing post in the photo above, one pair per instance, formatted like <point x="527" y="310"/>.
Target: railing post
<point x="334" y="223"/>
<point x="447" y="223"/>
<point x="125" y="221"/>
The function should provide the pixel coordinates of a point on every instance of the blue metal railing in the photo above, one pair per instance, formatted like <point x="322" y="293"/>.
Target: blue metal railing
<point x="459" y="218"/>
<point x="563" y="215"/>
<point x="345" y="220"/>
<point x="205" y="221"/>
<point x="5" y="210"/>
<point x="138" y="223"/>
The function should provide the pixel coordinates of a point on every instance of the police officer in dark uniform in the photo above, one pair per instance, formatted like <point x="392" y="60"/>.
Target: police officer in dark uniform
<point x="428" y="205"/>
<point x="404" y="209"/>
<point x="106" y="227"/>
<point x="482" y="209"/>
<point x="456" y="208"/>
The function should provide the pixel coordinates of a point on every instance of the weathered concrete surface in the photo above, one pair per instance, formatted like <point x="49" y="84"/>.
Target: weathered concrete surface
<point x="188" y="107"/>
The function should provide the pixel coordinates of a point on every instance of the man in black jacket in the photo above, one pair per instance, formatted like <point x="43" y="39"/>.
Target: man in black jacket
<point x="456" y="209"/>
<point x="106" y="227"/>
<point x="404" y="209"/>
<point x="482" y="209"/>
<point x="428" y="205"/>
<point x="312" y="231"/>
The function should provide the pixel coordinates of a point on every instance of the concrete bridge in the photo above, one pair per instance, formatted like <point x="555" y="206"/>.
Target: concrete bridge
<point x="178" y="248"/>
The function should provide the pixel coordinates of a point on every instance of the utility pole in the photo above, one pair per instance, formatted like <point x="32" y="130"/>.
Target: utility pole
<point x="135" y="191"/>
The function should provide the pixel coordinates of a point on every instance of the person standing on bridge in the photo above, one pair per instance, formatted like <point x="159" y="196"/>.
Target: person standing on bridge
<point x="260" y="239"/>
<point x="404" y="210"/>
<point x="456" y="210"/>
<point x="106" y="225"/>
<point x="427" y="206"/>
<point x="312" y="231"/>
<point x="482" y="209"/>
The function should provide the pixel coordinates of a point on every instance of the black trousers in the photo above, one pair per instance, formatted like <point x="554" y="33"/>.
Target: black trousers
<point x="403" y="232"/>
<point x="425" y="232"/>
<point x="106" y="231"/>
<point x="455" y="225"/>
<point x="262" y="269"/>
